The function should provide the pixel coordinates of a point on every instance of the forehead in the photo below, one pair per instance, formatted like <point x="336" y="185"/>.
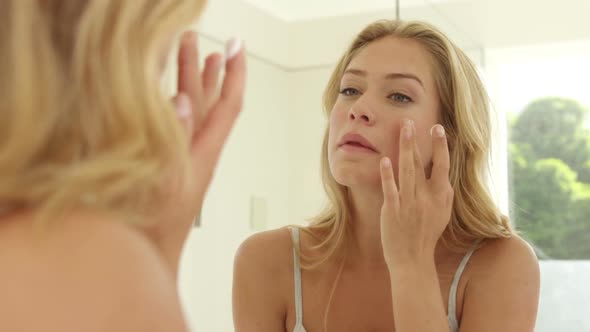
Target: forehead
<point x="392" y="54"/>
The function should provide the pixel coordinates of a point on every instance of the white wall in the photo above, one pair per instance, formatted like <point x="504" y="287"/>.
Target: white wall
<point x="307" y="125"/>
<point x="265" y="35"/>
<point x="565" y="297"/>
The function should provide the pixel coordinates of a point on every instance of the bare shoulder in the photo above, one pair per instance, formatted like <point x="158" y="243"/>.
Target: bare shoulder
<point x="87" y="274"/>
<point x="262" y="281"/>
<point x="502" y="293"/>
<point x="265" y="259"/>
<point x="497" y="255"/>
<point x="267" y="249"/>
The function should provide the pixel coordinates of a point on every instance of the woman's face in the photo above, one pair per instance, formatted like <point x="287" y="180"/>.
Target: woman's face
<point x="388" y="81"/>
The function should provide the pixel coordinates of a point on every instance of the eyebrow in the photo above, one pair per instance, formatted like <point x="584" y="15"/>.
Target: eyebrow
<point x="390" y="76"/>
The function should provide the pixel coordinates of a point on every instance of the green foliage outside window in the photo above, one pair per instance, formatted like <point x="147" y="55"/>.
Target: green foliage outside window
<point x="549" y="156"/>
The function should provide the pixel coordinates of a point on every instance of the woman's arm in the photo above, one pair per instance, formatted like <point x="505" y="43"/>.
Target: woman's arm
<point x="416" y="298"/>
<point x="415" y="212"/>
<point x="207" y="115"/>
<point x="503" y="294"/>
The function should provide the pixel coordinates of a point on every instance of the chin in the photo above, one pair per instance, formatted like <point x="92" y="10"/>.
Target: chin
<point x="354" y="176"/>
<point x="351" y="175"/>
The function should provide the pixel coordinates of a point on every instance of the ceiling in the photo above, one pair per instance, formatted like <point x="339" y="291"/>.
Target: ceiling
<point x="298" y="10"/>
<point x="480" y="23"/>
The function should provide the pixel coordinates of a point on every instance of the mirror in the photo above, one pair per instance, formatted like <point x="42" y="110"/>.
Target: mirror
<point x="532" y="56"/>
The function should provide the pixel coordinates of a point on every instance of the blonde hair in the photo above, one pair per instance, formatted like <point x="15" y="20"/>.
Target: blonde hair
<point x="466" y="117"/>
<point x="83" y="116"/>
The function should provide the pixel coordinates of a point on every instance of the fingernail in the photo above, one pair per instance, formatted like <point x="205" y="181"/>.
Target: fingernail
<point x="408" y="128"/>
<point x="437" y="130"/>
<point x="183" y="107"/>
<point x="232" y="48"/>
<point x="386" y="162"/>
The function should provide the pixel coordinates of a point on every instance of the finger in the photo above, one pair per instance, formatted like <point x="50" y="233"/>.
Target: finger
<point x="232" y="90"/>
<point x="419" y="167"/>
<point x="222" y="116"/>
<point x="211" y="74"/>
<point x="183" y="109"/>
<point x="407" y="170"/>
<point x="388" y="185"/>
<point x="189" y="75"/>
<point x="440" y="157"/>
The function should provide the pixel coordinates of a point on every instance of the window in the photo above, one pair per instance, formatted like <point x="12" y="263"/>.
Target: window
<point x="545" y="93"/>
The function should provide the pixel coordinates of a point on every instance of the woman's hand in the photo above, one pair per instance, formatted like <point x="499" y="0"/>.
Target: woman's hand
<point x="207" y="115"/>
<point x="415" y="212"/>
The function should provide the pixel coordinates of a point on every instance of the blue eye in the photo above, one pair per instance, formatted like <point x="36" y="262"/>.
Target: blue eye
<point x="400" y="98"/>
<point x="349" y="92"/>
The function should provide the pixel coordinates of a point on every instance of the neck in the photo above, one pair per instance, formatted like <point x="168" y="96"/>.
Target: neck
<point x="366" y="249"/>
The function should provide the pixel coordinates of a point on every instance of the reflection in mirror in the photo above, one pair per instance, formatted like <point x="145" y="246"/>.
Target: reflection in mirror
<point x="535" y="76"/>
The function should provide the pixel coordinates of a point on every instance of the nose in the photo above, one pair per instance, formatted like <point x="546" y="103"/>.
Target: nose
<point x="361" y="112"/>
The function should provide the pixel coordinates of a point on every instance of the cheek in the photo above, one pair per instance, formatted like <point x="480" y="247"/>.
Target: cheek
<point x="424" y="138"/>
<point x="333" y="129"/>
<point x="393" y="139"/>
<point x="425" y="146"/>
<point x="336" y="122"/>
<point x="338" y="115"/>
<point x="424" y="142"/>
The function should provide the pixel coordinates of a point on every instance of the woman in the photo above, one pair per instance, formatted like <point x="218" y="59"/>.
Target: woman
<point x="411" y="240"/>
<point x="101" y="175"/>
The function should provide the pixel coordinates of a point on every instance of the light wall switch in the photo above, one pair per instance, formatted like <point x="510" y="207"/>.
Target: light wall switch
<point x="257" y="213"/>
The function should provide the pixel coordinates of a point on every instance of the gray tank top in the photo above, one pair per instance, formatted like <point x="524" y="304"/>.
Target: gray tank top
<point x="452" y="305"/>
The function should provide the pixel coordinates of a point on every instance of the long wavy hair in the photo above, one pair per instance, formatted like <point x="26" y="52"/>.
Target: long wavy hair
<point x="83" y="118"/>
<point x="465" y="114"/>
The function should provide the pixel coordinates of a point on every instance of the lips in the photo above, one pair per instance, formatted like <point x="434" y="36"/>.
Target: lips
<point x="356" y="140"/>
